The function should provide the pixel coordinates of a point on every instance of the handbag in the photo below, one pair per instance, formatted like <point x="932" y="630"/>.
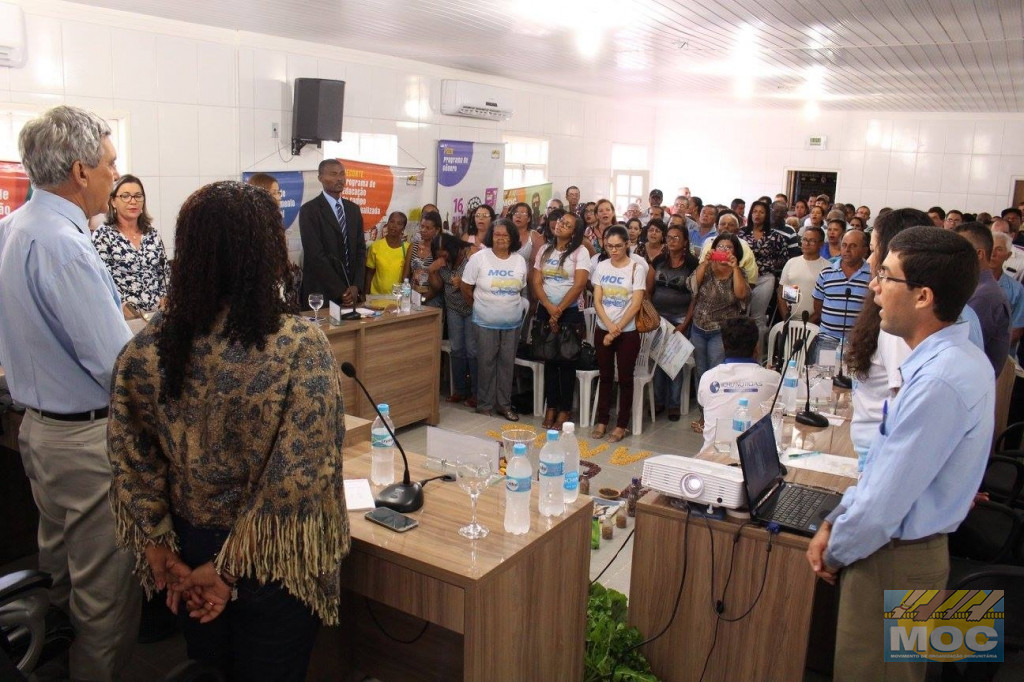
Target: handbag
<point x="570" y="340"/>
<point x="587" y="359"/>
<point x="647" y="318"/>
<point x="543" y="342"/>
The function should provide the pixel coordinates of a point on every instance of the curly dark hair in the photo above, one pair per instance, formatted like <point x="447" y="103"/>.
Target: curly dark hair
<point x="230" y="254"/>
<point x="864" y="333"/>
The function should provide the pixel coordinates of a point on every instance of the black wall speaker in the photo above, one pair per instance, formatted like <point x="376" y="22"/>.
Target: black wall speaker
<point x="317" y="109"/>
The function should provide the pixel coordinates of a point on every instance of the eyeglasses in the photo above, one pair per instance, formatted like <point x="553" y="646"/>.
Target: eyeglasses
<point x="125" y="197"/>
<point x="805" y="240"/>
<point x="674" y="238"/>
<point x="521" y="213"/>
<point x="615" y="247"/>
<point x="883" y="277"/>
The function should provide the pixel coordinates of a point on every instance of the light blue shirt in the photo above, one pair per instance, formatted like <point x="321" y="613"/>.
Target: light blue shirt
<point x="1014" y="291"/>
<point x="970" y="318"/>
<point x="926" y="463"/>
<point x="334" y="203"/>
<point x="61" y="326"/>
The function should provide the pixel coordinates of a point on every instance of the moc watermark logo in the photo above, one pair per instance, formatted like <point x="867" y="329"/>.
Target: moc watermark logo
<point x="943" y="625"/>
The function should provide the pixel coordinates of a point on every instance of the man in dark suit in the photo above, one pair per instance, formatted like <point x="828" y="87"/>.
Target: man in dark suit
<point x="334" y="251"/>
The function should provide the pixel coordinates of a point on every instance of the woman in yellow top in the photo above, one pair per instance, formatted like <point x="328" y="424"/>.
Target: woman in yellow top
<point x="385" y="257"/>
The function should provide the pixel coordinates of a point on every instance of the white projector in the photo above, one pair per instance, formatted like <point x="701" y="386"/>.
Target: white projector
<point x="696" y="480"/>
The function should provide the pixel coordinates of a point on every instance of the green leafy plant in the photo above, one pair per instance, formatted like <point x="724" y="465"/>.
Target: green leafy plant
<point x="610" y="654"/>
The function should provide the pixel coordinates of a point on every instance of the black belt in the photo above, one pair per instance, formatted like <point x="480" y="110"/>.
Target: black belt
<point x="77" y="416"/>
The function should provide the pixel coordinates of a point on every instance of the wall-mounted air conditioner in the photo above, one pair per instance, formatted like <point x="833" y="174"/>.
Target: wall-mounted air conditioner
<point x="473" y="100"/>
<point x="12" y="35"/>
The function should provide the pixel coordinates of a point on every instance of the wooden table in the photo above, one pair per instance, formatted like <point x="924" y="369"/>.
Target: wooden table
<point x="504" y="607"/>
<point x="398" y="357"/>
<point x="792" y="625"/>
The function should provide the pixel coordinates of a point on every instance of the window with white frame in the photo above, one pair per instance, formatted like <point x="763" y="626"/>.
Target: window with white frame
<point x="526" y="161"/>
<point x="630" y="175"/>
<point x="13" y="120"/>
<point x="379" y="148"/>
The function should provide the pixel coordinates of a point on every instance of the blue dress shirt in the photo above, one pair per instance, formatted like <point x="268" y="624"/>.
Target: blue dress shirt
<point x="61" y="326"/>
<point x="926" y="463"/>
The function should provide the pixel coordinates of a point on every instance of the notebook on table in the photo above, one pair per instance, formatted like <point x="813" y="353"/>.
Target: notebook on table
<point x="796" y="508"/>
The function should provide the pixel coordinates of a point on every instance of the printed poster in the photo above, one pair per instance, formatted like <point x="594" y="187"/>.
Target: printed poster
<point x="468" y="174"/>
<point x="378" y="190"/>
<point x="15" y="189"/>
<point x="671" y="349"/>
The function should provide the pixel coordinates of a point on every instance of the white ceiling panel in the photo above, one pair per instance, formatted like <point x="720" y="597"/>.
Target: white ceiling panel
<point x="912" y="55"/>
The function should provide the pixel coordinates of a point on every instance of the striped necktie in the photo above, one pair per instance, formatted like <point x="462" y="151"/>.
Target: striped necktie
<point x="340" y="211"/>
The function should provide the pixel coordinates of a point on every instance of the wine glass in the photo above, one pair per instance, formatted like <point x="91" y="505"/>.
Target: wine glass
<point x="316" y="301"/>
<point x="473" y="477"/>
<point x="396" y="293"/>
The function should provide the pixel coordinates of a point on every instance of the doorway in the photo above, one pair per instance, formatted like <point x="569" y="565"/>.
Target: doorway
<point x="803" y="184"/>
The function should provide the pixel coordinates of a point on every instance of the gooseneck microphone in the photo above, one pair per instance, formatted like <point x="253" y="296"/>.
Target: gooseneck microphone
<point x="797" y="345"/>
<point x="807" y="417"/>
<point x="778" y="354"/>
<point x="841" y="380"/>
<point x="352" y="314"/>
<point x="406" y="496"/>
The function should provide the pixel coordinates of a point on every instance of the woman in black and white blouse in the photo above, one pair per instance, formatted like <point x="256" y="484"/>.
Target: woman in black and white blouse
<point x="131" y="248"/>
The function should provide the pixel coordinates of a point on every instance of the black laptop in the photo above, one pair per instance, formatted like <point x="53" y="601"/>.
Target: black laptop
<point x="796" y="508"/>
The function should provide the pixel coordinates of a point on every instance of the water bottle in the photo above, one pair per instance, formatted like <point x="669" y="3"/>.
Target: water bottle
<point x="571" y="448"/>
<point x="518" y="479"/>
<point x="406" y="304"/>
<point x="382" y="449"/>
<point x="740" y="423"/>
<point x="552" y="463"/>
<point x="790" y="383"/>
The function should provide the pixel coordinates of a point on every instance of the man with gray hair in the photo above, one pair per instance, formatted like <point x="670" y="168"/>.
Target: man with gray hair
<point x="61" y="329"/>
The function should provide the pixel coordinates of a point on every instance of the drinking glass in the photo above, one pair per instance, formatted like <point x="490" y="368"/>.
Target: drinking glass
<point x="777" y="420"/>
<point x="316" y="301"/>
<point x="473" y="477"/>
<point x="396" y="293"/>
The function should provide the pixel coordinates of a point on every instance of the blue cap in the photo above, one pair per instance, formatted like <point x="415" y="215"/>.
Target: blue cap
<point x="552" y="435"/>
<point x="744" y="402"/>
<point x="518" y="449"/>
<point x="383" y="407"/>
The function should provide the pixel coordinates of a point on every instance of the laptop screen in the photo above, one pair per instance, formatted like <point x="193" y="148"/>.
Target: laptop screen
<point x="759" y="458"/>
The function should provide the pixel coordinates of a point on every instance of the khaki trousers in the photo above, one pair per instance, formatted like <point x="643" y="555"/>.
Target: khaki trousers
<point x="68" y="468"/>
<point x="860" y="633"/>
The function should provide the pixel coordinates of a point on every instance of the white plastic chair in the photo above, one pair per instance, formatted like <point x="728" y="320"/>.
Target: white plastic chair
<point x="643" y="377"/>
<point x="587" y="377"/>
<point x="684" y="390"/>
<point x="537" y="368"/>
<point x="796" y="331"/>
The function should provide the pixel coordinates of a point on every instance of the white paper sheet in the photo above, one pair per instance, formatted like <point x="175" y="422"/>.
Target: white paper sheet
<point x="358" y="495"/>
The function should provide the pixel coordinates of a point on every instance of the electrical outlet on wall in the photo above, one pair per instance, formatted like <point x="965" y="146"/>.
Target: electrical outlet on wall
<point x="275" y="130"/>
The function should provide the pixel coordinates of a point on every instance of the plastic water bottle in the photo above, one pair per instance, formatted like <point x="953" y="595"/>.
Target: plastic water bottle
<point x="518" y="479"/>
<point x="406" y="304"/>
<point x="740" y="423"/>
<point x="382" y="449"/>
<point x="571" y="448"/>
<point x="790" y="383"/>
<point x="552" y="464"/>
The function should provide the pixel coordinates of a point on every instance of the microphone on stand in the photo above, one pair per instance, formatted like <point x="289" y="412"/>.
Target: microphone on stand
<point x="406" y="496"/>
<point x="352" y="315"/>
<point x="777" y="352"/>
<point x="797" y="345"/>
<point x="841" y="380"/>
<point x="808" y="418"/>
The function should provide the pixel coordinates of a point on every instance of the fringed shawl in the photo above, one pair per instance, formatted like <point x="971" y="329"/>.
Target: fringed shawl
<point x="254" y="445"/>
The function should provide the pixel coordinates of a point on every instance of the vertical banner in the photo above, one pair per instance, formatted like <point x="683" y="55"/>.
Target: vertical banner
<point x="537" y="196"/>
<point x="468" y="174"/>
<point x="15" y="189"/>
<point x="376" y="189"/>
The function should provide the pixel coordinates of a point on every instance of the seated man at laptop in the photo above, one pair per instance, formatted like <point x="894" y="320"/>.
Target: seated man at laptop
<point x="925" y="464"/>
<point x="739" y="376"/>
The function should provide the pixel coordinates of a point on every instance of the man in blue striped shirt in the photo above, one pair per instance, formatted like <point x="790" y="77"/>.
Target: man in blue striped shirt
<point x="834" y="310"/>
<point x="927" y="460"/>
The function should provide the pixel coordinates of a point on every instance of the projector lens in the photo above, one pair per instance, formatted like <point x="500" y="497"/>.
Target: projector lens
<point x="692" y="485"/>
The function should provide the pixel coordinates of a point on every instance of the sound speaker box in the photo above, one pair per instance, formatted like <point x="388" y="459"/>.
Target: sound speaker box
<point x="317" y="109"/>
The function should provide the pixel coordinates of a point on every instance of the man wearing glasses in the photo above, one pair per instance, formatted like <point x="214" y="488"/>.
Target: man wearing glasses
<point x="801" y="273"/>
<point x="925" y="464"/>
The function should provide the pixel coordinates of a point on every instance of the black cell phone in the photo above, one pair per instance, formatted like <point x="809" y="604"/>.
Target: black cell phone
<point x="389" y="518"/>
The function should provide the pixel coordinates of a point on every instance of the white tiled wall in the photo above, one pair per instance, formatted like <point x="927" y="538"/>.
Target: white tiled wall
<point x="200" y="101"/>
<point x="883" y="159"/>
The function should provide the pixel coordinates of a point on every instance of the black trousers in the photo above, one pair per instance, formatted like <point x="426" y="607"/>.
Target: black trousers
<point x="266" y="634"/>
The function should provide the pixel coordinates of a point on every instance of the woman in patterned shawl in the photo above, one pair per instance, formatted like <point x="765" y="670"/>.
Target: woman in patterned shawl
<point x="225" y="444"/>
